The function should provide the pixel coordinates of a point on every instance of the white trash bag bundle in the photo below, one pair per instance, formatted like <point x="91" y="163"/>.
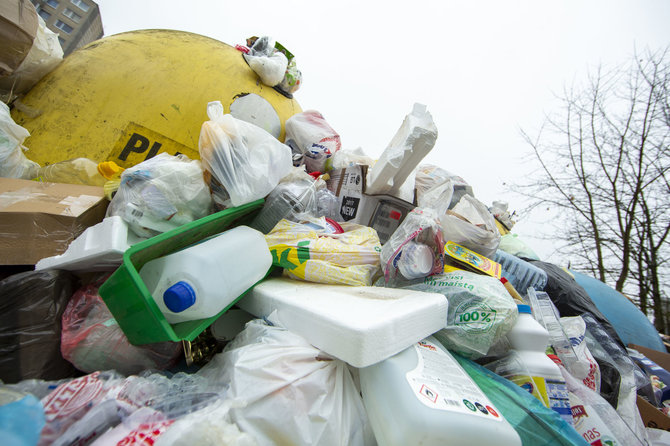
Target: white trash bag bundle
<point x="290" y="392"/>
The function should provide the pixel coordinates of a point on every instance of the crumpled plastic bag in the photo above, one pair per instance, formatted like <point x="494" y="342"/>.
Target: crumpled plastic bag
<point x="312" y="140"/>
<point x="72" y="400"/>
<point x="290" y="392"/>
<point x="310" y="251"/>
<point x="13" y="162"/>
<point x="470" y="224"/>
<point x="160" y="194"/>
<point x="431" y="181"/>
<point x="242" y="161"/>
<point x="481" y="311"/>
<point x="414" y="250"/>
<point x="268" y="64"/>
<point x="92" y="339"/>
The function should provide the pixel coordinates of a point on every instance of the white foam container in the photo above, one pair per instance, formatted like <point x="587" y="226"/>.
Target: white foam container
<point x="357" y="324"/>
<point x="98" y="248"/>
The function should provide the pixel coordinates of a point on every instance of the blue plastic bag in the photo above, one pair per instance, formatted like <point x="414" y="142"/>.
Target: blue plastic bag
<point x="21" y="422"/>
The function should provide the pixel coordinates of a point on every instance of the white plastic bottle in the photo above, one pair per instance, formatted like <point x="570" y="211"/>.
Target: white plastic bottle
<point x="201" y="280"/>
<point x="531" y="368"/>
<point x="422" y="396"/>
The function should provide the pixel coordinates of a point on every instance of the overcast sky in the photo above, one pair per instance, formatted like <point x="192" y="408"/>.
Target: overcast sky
<point x="484" y="69"/>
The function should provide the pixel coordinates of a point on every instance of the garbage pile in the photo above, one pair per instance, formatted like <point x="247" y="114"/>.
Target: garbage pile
<point x="300" y="293"/>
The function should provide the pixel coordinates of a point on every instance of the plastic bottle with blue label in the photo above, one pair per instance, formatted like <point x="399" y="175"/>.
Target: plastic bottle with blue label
<point x="200" y="281"/>
<point x="529" y="366"/>
<point x="422" y="396"/>
<point x="521" y="274"/>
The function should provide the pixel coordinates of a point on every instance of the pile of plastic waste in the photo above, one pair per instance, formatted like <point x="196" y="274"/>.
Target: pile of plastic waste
<point x="256" y="297"/>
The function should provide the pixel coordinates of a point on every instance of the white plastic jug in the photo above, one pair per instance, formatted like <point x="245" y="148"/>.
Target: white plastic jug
<point x="422" y="396"/>
<point x="530" y="366"/>
<point x="201" y="280"/>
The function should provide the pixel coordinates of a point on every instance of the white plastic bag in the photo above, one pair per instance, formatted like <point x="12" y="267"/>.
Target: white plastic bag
<point x="470" y="224"/>
<point x="292" y="393"/>
<point x="160" y="194"/>
<point x="243" y="162"/>
<point x="13" y="163"/>
<point x="575" y="329"/>
<point x="312" y="140"/>
<point x="270" y="65"/>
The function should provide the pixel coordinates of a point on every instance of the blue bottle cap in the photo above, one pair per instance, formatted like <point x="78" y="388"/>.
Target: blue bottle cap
<point x="524" y="308"/>
<point x="179" y="297"/>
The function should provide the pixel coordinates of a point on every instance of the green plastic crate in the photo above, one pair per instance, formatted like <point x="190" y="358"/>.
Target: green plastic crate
<point x="129" y="300"/>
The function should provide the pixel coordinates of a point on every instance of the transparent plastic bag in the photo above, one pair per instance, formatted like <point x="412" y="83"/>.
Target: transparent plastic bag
<point x="312" y="251"/>
<point x="160" y="194"/>
<point x="431" y="179"/>
<point x="470" y="224"/>
<point x="481" y="311"/>
<point x="312" y="140"/>
<point x="92" y="340"/>
<point x="289" y="391"/>
<point x="414" y="250"/>
<point x="294" y="196"/>
<point x="270" y="65"/>
<point x="13" y="162"/>
<point x="595" y="419"/>
<point x="242" y="161"/>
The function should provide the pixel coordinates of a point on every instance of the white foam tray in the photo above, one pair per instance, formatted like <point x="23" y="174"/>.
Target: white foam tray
<point x="98" y="248"/>
<point x="359" y="325"/>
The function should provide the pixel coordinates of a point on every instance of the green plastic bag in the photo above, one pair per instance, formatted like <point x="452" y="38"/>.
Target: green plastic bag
<point x="536" y="424"/>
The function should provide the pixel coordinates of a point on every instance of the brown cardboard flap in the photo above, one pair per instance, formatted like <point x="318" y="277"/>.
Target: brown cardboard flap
<point x="18" y="26"/>
<point x="651" y="415"/>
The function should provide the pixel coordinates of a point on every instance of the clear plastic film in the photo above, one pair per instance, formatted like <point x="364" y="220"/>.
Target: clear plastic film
<point x="160" y="194"/>
<point x="13" y="162"/>
<point x="312" y="140"/>
<point x="242" y="161"/>
<point x="469" y="223"/>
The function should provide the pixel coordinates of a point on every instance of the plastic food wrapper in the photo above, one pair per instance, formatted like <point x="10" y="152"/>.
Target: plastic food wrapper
<point x="143" y="426"/>
<point x="411" y="143"/>
<point x="21" y="420"/>
<point x="470" y="224"/>
<point x="242" y="161"/>
<point x="44" y="55"/>
<point x="312" y="140"/>
<point x="512" y="244"/>
<point x="13" y="162"/>
<point x="311" y="251"/>
<point x="290" y="392"/>
<point x="536" y="424"/>
<point x="72" y="400"/>
<point x="31" y="308"/>
<point x="414" y="250"/>
<point x="92" y="339"/>
<point x="481" y="311"/>
<point x="270" y="65"/>
<point x="160" y="194"/>
<point x="595" y="419"/>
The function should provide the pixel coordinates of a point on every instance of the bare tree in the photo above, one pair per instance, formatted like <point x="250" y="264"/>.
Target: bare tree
<point x="603" y="166"/>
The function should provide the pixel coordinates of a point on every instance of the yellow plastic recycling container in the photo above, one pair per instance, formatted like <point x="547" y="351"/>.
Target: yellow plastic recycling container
<point x="127" y="97"/>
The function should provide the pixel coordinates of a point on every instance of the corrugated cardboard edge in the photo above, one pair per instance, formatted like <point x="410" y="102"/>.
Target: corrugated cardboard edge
<point x="651" y="415"/>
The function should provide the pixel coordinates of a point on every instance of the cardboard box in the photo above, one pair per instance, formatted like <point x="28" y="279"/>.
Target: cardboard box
<point x="384" y="213"/>
<point x="18" y="27"/>
<point x="651" y="415"/>
<point x="40" y="220"/>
